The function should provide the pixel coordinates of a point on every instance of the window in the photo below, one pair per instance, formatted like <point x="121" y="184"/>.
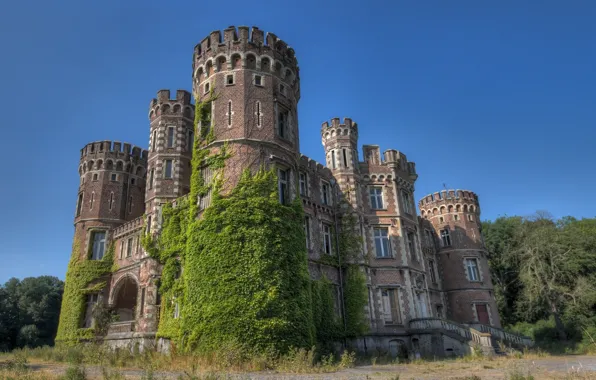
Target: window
<point x="441" y="220"/>
<point x="229" y="114"/>
<point x="95" y="176"/>
<point x="407" y="200"/>
<point x="412" y="245"/>
<point x="307" y="231"/>
<point x="99" y="243"/>
<point x="326" y="194"/>
<point x="176" y="310"/>
<point x="439" y="311"/>
<point x="283" y="186"/>
<point x="470" y="217"/>
<point x="129" y="247"/>
<point x="114" y="177"/>
<point x="472" y="268"/>
<point x="258" y="113"/>
<point x="142" y="305"/>
<point x="168" y="169"/>
<point x="303" y="184"/>
<point x="153" y="140"/>
<point x="91" y="301"/>
<point x="190" y="141"/>
<point x="151" y="178"/>
<point x="345" y="158"/>
<point x="129" y="204"/>
<point x="149" y="224"/>
<point x="170" y="137"/>
<point x="282" y="89"/>
<point x="431" y="269"/>
<point x="376" y="198"/>
<point x="282" y="124"/>
<point x="455" y="217"/>
<point x="382" y="242"/>
<point x="333" y="162"/>
<point x="132" y="181"/>
<point x="111" y="202"/>
<point x="258" y="80"/>
<point x="91" y="201"/>
<point x="391" y="312"/>
<point x="206" y="88"/>
<point x="445" y="238"/>
<point x="429" y="238"/>
<point x="79" y="204"/>
<point x="327" y="239"/>
<point x="229" y="79"/>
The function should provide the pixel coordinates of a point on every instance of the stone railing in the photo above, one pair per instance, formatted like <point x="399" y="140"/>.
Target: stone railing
<point x="129" y="226"/>
<point x="504" y="335"/>
<point x="442" y="324"/>
<point x="121" y="327"/>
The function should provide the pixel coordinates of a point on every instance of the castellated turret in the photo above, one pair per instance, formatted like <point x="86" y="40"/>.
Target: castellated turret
<point x="111" y="190"/>
<point x="341" y="144"/>
<point x="255" y="80"/>
<point x="170" y="150"/>
<point x="462" y="256"/>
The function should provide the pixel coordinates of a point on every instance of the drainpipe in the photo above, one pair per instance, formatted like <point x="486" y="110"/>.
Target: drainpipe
<point x="335" y="186"/>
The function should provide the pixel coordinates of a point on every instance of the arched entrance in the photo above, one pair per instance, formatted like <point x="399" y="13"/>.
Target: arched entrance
<point x="125" y="300"/>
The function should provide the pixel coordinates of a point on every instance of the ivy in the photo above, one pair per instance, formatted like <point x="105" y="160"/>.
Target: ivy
<point x="81" y="279"/>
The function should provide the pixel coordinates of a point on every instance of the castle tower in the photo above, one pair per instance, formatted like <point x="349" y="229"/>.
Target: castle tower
<point x="111" y="191"/>
<point x="170" y="150"/>
<point x="462" y="256"/>
<point x="340" y="141"/>
<point x="256" y="83"/>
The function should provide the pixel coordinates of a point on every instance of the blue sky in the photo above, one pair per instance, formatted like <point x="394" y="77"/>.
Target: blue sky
<point x="493" y="96"/>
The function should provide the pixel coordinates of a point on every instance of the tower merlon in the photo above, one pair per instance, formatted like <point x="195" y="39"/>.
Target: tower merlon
<point x="181" y="105"/>
<point x="113" y="149"/>
<point x="450" y="196"/>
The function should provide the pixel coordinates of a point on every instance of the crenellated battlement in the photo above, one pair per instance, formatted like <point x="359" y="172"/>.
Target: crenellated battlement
<point x="337" y="128"/>
<point x="449" y="197"/>
<point x="129" y="227"/>
<point x="113" y="155"/>
<point x="180" y="106"/>
<point x="315" y="167"/>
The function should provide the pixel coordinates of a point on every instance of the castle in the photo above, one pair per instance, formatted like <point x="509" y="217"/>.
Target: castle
<point x="428" y="280"/>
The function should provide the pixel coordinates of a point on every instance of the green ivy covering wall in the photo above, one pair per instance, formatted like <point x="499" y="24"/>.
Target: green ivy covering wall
<point x="81" y="273"/>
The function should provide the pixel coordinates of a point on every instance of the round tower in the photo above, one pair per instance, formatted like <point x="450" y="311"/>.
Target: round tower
<point x="111" y="191"/>
<point x="462" y="256"/>
<point x="341" y="145"/>
<point x="252" y="80"/>
<point x="170" y="150"/>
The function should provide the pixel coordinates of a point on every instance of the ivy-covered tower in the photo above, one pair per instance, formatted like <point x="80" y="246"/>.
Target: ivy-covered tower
<point x="253" y="81"/>
<point x="170" y="150"/>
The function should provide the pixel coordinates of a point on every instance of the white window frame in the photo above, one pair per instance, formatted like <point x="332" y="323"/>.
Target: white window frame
<point x="390" y="302"/>
<point x="326" y="193"/>
<point x="382" y="242"/>
<point x="254" y="80"/>
<point x="129" y="243"/>
<point x="446" y="238"/>
<point x="472" y="264"/>
<point x="98" y="252"/>
<point x="379" y="202"/>
<point x="327" y="241"/>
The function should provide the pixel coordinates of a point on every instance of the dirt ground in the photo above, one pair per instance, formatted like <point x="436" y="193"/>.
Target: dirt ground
<point x="554" y="367"/>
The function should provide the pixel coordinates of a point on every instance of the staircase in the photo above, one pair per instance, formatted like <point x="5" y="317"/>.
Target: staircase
<point x="487" y="337"/>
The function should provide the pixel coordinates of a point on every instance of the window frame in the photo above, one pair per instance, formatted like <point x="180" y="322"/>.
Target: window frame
<point x="327" y="238"/>
<point x="407" y="202"/>
<point x="473" y="276"/>
<point x="165" y="169"/>
<point x="431" y="269"/>
<point x="171" y="136"/>
<point x="445" y="238"/>
<point x="100" y="253"/>
<point x="383" y="242"/>
<point x="303" y="183"/>
<point x="283" y="185"/>
<point x="376" y="205"/>
<point x="392" y="295"/>
<point x="307" y="231"/>
<point x="326" y="193"/>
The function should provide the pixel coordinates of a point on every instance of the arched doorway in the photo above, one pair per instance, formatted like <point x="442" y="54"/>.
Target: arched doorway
<point x="125" y="301"/>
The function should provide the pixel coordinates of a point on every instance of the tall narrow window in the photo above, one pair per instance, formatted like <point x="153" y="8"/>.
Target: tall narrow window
<point x="91" y="201"/>
<point x="376" y="198"/>
<point x="111" y="203"/>
<point x="282" y="124"/>
<point x="430" y="241"/>
<point x="307" y="231"/>
<point x="168" y="169"/>
<point x="176" y="310"/>
<point x="327" y="239"/>
<point x="345" y="158"/>
<point x="382" y="242"/>
<point x="472" y="267"/>
<point x="258" y="114"/>
<point x="149" y="224"/>
<point x="129" y="204"/>
<point x="153" y="141"/>
<point x="90" y="302"/>
<point x="391" y="312"/>
<point x="326" y="194"/>
<point x="445" y="238"/>
<point x="407" y="201"/>
<point x="303" y="184"/>
<point x="79" y="204"/>
<point x="129" y="247"/>
<point x="170" y="137"/>
<point x="151" y="178"/>
<point x="412" y="245"/>
<point x="190" y="141"/>
<point x="333" y="161"/>
<point x="99" y="242"/>
<point x="283" y="186"/>
<point x="229" y="113"/>
<point x="431" y="269"/>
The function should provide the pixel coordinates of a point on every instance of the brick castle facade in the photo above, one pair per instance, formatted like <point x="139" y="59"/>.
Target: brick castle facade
<point x="418" y="268"/>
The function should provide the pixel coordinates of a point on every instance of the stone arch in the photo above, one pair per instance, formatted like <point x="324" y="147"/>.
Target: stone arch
<point x="187" y="112"/>
<point x="471" y="208"/>
<point x="90" y="164"/>
<point x="124" y="297"/>
<point x="442" y="210"/>
<point x="266" y="63"/>
<point x="251" y="61"/>
<point x="209" y="68"/>
<point x="80" y="169"/>
<point x="458" y="208"/>
<point x="99" y="164"/>
<point x="236" y="61"/>
<point x="435" y="211"/>
<point x="139" y="171"/>
<point x="109" y="164"/>
<point x="165" y="108"/>
<point x="220" y="62"/>
<point x="278" y="68"/>
<point x="465" y="208"/>
<point x="289" y="75"/>
<point x="423" y="213"/>
<point x="199" y="73"/>
<point x="119" y="165"/>
<point x="177" y="108"/>
<point x="450" y="208"/>
<point x="151" y="114"/>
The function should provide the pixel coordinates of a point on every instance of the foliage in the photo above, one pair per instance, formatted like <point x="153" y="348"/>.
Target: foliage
<point x="355" y="299"/>
<point x="29" y="311"/>
<point x="83" y="276"/>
